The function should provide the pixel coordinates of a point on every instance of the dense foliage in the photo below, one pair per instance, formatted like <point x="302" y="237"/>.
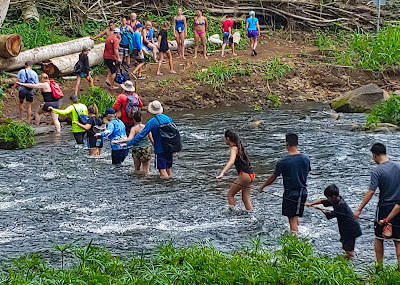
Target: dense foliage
<point x="100" y="97"/>
<point x="295" y="263"/>
<point x="14" y="135"/>
<point x="386" y="112"/>
<point x="368" y="51"/>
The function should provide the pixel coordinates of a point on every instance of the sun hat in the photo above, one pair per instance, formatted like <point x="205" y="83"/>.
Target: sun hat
<point x="117" y="30"/>
<point x="252" y="13"/>
<point x="128" y="86"/>
<point x="110" y="111"/>
<point x="155" y="107"/>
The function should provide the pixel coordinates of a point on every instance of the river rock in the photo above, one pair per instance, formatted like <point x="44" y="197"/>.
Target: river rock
<point x="43" y="130"/>
<point x="360" y="100"/>
<point x="383" y="127"/>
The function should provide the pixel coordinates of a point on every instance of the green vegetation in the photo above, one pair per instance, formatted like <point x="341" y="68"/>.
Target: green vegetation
<point x="386" y="112"/>
<point x="14" y="135"/>
<point x="274" y="69"/>
<point x="100" y="97"/>
<point x="99" y="69"/>
<point x="274" y="100"/>
<point x="295" y="263"/>
<point x="367" y="51"/>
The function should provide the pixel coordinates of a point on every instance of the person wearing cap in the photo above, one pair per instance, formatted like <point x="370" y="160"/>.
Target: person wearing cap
<point x="121" y="103"/>
<point x="111" y="57"/>
<point x="163" y="159"/>
<point x="138" y="52"/>
<point x="77" y="112"/>
<point x="253" y="31"/>
<point x="83" y="69"/>
<point x="115" y="132"/>
<point x="93" y="125"/>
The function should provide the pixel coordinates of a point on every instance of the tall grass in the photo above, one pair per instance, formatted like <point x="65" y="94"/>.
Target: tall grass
<point x="100" y="97"/>
<point x="14" y="135"/>
<point x="386" y="112"/>
<point x="295" y="263"/>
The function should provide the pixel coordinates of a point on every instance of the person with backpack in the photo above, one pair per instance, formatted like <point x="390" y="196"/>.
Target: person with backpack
<point x="82" y="70"/>
<point x="164" y="144"/>
<point x="78" y="113"/>
<point x="26" y="75"/>
<point x="51" y="95"/>
<point x="115" y="132"/>
<point x="128" y="103"/>
<point x="92" y="126"/>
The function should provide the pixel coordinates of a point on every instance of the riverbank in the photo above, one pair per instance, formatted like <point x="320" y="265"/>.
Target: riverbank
<point x="307" y="78"/>
<point x="294" y="263"/>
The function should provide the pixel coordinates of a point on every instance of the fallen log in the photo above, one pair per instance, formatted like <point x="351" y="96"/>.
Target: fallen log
<point x="189" y="43"/>
<point x="41" y="54"/>
<point x="3" y="10"/>
<point x="31" y="13"/>
<point x="10" y="45"/>
<point x="63" y="65"/>
<point x="215" y="39"/>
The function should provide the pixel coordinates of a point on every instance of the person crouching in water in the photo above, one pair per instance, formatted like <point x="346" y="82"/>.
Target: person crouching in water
<point x="239" y="158"/>
<point x="349" y="228"/>
<point x="115" y="131"/>
<point x="94" y="123"/>
<point x="141" y="152"/>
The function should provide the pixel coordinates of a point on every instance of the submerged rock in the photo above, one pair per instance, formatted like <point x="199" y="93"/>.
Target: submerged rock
<point x="383" y="127"/>
<point x="360" y="100"/>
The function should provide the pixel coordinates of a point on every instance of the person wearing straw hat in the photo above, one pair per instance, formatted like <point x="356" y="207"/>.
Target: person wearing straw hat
<point x="163" y="159"/>
<point x="128" y="103"/>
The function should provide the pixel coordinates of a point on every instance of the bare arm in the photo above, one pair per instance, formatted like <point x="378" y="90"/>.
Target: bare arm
<point x="83" y="126"/>
<point x="14" y="86"/>
<point x="30" y="85"/>
<point x="184" y="20"/>
<point x="258" y="28"/>
<point x="100" y="34"/>
<point x="231" y="162"/>
<point x="205" y="23"/>
<point x="159" y="42"/>
<point x="367" y="197"/>
<point x="268" y="182"/>
<point x="151" y="138"/>
<point x="174" y="26"/>
<point x="313" y="203"/>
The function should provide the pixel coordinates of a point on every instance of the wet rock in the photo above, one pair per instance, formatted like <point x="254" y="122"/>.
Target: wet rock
<point x="356" y="127"/>
<point x="43" y="130"/>
<point x="383" y="127"/>
<point x="335" y="116"/>
<point x="360" y="100"/>
<point x="256" y="124"/>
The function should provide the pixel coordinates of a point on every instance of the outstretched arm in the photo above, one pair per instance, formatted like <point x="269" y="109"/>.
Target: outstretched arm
<point x="100" y="34"/>
<point x="231" y="162"/>
<point x="66" y="111"/>
<point x="367" y="197"/>
<point x="313" y="203"/>
<point x="30" y="85"/>
<point x="268" y="182"/>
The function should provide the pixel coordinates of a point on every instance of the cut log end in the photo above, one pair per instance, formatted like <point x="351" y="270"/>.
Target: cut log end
<point x="10" y="45"/>
<point x="50" y="69"/>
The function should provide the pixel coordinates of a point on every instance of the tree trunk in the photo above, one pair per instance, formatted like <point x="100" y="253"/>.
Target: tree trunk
<point x="189" y="43"/>
<point x="44" y="53"/>
<point x="215" y="39"/>
<point x="3" y="10"/>
<point x="10" y="45"/>
<point x="64" y="65"/>
<point x="30" y="12"/>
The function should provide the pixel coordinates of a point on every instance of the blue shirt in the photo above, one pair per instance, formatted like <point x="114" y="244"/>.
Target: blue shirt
<point x="137" y="41"/>
<point x="22" y="76"/>
<point x="150" y="35"/>
<point x="386" y="177"/>
<point x="125" y="37"/>
<point x="294" y="169"/>
<point x="152" y="126"/>
<point x="252" y="24"/>
<point x="115" y="131"/>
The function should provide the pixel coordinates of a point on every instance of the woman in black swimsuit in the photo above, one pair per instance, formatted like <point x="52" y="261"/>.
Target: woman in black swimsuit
<point x="49" y="100"/>
<point x="239" y="158"/>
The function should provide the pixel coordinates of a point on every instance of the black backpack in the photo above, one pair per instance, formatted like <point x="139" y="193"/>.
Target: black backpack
<point x="170" y="137"/>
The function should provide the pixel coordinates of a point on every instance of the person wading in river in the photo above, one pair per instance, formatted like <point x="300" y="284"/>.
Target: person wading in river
<point x="294" y="169"/>
<point x="239" y="158"/>
<point x="386" y="177"/>
<point x="164" y="159"/>
<point x="26" y="75"/>
<point x="76" y="110"/>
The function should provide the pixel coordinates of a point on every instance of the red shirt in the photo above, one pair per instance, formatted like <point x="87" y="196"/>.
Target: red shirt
<point x="226" y="25"/>
<point x="112" y="43"/>
<point x="120" y="104"/>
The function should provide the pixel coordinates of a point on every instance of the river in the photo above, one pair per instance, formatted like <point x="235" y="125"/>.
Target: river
<point x="54" y="193"/>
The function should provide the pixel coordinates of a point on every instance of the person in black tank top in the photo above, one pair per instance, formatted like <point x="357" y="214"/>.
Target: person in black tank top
<point x="239" y="158"/>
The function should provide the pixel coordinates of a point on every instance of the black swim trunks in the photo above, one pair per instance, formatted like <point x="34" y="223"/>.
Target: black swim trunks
<point x="26" y="95"/>
<point x="293" y="205"/>
<point x="111" y="65"/>
<point x="381" y="213"/>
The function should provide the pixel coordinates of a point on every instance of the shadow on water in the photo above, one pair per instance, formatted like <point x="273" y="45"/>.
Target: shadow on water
<point x="54" y="193"/>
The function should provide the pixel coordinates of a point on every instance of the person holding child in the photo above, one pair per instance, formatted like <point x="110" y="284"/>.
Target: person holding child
<point x="349" y="228"/>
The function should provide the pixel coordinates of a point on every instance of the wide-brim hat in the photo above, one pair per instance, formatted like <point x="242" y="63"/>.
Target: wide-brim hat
<point x="128" y="86"/>
<point x="155" y="107"/>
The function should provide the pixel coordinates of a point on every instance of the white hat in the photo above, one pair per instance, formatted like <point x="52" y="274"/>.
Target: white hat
<point x="128" y="86"/>
<point x="117" y="30"/>
<point x="155" y="107"/>
<point x="252" y="13"/>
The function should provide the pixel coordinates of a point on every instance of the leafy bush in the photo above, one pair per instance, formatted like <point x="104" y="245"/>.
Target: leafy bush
<point x="274" y="69"/>
<point x="35" y="34"/>
<point x="274" y="100"/>
<point x="386" y="112"/>
<point x="14" y="135"/>
<point x="100" y="97"/>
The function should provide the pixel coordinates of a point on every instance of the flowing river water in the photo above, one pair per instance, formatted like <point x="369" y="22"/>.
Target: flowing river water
<point x="54" y="193"/>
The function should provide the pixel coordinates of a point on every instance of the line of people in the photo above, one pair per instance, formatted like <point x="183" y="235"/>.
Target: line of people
<point x="295" y="168"/>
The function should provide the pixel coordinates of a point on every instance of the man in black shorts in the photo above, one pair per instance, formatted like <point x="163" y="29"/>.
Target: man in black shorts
<point x="26" y="75"/>
<point x="387" y="177"/>
<point x="112" y="57"/>
<point x="294" y="169"/>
